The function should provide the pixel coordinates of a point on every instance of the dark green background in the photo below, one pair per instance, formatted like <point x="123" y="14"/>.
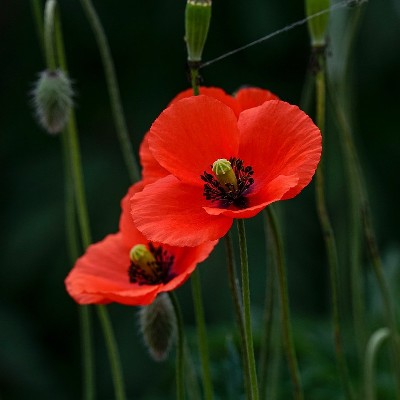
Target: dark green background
<point x="39" y="336"/>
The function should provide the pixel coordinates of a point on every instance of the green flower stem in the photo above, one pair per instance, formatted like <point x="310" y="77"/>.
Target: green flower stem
<point x="180" y="383"/>
<point x="373" y="345"/>
<point x="113" y="90"/>
<point x="266" y="346"/>
<point x="198" y="301"/>
<point x="201" y="335"/>
<point x="329" y="238"/>
<point x="238" y="307"/>
<point x="74" y="158"/>
<point x="113" y="354"/>
<point x="36" y="6"/>
<point x="287" y="335"/>
<point x="368" y="231"/>
<point x="249" y="350"/>
<point x="49" y="13"/>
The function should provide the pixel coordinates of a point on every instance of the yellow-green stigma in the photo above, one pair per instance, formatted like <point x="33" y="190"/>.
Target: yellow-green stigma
<point x="150" y="265"/>
<point x="222" y="169"/>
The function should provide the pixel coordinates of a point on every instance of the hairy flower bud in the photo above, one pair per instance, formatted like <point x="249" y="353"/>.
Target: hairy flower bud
<point x="317" y="26"/>
<point x="158" y="326"/>
<point x="52" y="99"/>
<point x="197" y="22"/>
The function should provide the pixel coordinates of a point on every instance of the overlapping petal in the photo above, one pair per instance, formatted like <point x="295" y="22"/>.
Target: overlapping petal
<point x="191" y="134"/>
<point x="169" y="211"/>
<point x="250" y="97"/>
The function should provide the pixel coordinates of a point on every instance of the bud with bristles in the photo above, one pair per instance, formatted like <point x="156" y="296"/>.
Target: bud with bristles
<point x="158" y="326"/>
<point x="53" y="100"/>
<point x="317" y="26"/>
<point x="197" y="22"/>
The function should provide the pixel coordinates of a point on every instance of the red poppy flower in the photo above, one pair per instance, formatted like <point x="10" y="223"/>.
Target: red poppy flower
<point x="243" y="99"/>
<point x="106" y="273"/>
<point x="272" y="149"/>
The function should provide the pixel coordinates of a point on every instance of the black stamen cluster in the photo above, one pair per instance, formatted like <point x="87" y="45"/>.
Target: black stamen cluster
<point x="228" y="195"/>
<point x="161" y="268"/>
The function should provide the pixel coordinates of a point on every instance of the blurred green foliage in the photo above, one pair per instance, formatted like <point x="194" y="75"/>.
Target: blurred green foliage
<point x="39" y="339"/>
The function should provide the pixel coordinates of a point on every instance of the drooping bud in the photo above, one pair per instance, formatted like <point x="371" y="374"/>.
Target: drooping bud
<point x="317" y="26"/>
<point x="143" y="258"/>
<point x="197" y="22"/>
<point x="222" y="169"/>
<point x="158" y="326"/>
<point x="53" y="100"/>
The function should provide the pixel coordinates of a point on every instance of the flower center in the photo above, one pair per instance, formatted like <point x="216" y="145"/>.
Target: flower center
<point x="150" y="265"/>
<point x="229" y="184"/>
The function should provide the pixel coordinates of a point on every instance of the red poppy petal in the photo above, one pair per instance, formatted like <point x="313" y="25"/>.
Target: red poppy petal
<point x="152" y="170"/>
<point x="279" y="139"/>
<point x="214" y="92"/>
<point x="191" y="134"/>
<point x="101" y="276"/>
<point x="130" y="234"/>
<point x="171" y="212"/>
<point x="253" y="97"/>
<point x="274" y="191"/>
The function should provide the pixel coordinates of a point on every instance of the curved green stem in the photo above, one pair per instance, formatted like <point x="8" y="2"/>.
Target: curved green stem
<point x="180" y="383"/>
<point x="329" y="238"/>
<point x="249" y="350"/>
<point x="73" y="151"/>
<point x="287" y="335"/>
<point x="113" y="353"/>
<point x="49" y="13"/>
<point x="234" y="287"/>
<point x="373" y="345"/>
<point x="36" y="6"/>
<point x="113" y="90"/>
<point x="201" y="335"/>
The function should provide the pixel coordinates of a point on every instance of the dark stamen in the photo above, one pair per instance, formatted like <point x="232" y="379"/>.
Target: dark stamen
<point x="228" y="195"/>
<point x="161" y="268"/>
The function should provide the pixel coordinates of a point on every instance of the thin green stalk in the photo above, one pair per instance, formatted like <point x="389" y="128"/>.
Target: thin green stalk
<point x="373" y="345"/>
<point x="329" y="239"/>
<point x="266" y="347"/>
<point x="113" y="353"/>
<point x="180" y="383"/>
<point x="287" y="335"/>
<point x="113" y="90"/>
<point x="49" y="13"/>
<point x="53" y="30"/>
<point x="249" y="350"/>
<point x="238" y="307"/>
<point x="201" y="335"/>
<point x="368" y="231"/>
<point x="198" y="301"/>
<point x="36" y="6"/>
<point x="74" y="157"/>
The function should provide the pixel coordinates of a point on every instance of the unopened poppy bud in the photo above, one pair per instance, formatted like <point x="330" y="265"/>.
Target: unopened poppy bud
<point x="222" y="169"/>
<point x="158" y="326"/>
<point x="317" y="26"/>
<point x="197" y="22"/>
<point x="53" y="99"/>
<point x="141" y="256"/>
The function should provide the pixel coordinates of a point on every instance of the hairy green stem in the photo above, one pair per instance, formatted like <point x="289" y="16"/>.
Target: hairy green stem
<point x="287" y="335"/>
<point x="373" y="345"/>
<point x="329" y="238"/>
<point x="234" y="287"/>
<point x="201" y="335"/>
<point x="266" y="345"/>
<point x="49" y="13"/>
<point x="113" y="354"/>
<point x="73" y="151"/>
<point x="249" y="350"/>
<point x="180" y="383"/>
<point x="113" y="90"/>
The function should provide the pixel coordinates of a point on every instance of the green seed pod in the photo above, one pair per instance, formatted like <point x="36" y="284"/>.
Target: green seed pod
<point x="158" y="326"/>
<point x="197" y="22"/>
<point x="317" y="26"/>
<point x="53" y="100"/>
